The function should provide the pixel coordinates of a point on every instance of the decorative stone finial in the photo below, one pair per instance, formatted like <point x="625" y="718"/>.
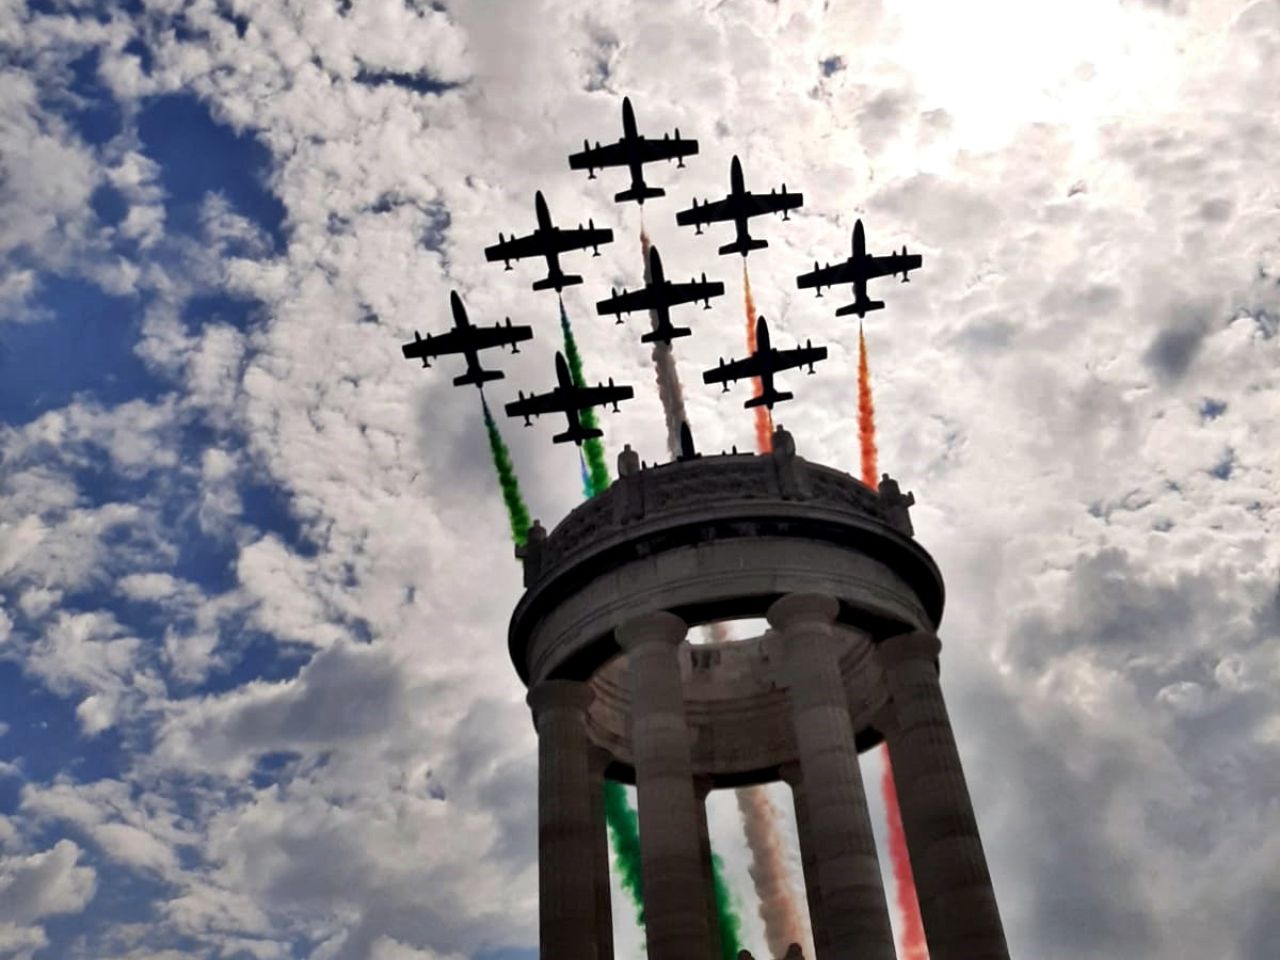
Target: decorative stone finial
<point x="896" y="504"/>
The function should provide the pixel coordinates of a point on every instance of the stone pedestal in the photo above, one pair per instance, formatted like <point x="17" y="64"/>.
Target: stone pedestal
<point x="854" y="912"/>
<point x="674" y="899"/>
<point x="566" y="868"/>
<point x="957" y="902"/>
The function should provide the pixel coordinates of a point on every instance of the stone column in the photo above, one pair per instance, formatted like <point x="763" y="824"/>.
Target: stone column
<point x="808" y="860"/>
<point x="855" y="913"/>
<point x="957" y="902"/>
<point x="600" y="856"/>
<point x="702" y="788"/>
<point x="566" y="874"/>
<point x="674" y="901"/>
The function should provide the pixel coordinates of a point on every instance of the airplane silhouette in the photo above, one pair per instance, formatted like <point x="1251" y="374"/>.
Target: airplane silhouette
<point x="764" y="363"/>
<point x="739" y="206"/>
<point x="660" y="295"/>
<point x="549" y="241"/>
<point x="569" y="399"/>
<point x="858" y="269"/>
<point x="468" y="341"/>
<point x="633" y="151"/>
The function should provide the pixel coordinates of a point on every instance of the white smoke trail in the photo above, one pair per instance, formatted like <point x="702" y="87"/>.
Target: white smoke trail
<point x="664" y="365"/>
<point x="783" y="923"/>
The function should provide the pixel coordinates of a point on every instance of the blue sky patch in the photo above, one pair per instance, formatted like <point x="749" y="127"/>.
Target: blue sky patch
<point x="198" y="155"/>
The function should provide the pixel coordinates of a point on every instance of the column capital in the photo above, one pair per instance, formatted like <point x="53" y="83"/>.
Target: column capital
<point x="559" y="695"/>
<point x="656" y="627"/>
<point x="798" y="608"/>
<point x="917" y="645"/>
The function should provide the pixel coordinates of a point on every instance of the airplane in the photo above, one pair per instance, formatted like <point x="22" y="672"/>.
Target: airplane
<point x="469" y="341"/>
<point x="739" y="206"/>
<point x="764" y="363"/>
<point x="569" y="399"/>
<point x="549" y="241"/>
<point x="659" y="295"/>
<point x="633" y="151"/>
<point x="858" y="269"/>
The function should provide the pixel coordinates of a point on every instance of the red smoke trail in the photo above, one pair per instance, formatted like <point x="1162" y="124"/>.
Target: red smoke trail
<point x="866" y="417"/>
<point x="913" y="945"/>
<point x="764" y="418"/>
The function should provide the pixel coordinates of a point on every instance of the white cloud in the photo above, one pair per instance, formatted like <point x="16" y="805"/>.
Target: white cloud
<point x="45" y="884"/>
<point x="1093" y="193"/>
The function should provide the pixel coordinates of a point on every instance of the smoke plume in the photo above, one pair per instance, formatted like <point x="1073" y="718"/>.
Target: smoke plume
<point x="594" y="448"/>
<point x="764" y="417"/>
<point x="866" y="417"/>
<point x="624" y="831"/>
<point x="670" y="392"/>
<point x="517" y="512"/>
<point x="726" y="916"/>
<point x="913" y="945"/>
<point x="783" y="924"/>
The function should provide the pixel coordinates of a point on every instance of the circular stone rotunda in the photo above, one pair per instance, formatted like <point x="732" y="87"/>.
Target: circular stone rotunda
<point x="850" y="659"/>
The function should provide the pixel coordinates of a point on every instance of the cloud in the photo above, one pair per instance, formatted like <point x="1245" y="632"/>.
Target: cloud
<point x="45" y="884"/>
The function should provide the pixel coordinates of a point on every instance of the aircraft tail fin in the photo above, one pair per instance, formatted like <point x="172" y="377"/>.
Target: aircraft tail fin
<point x="639" y="194"/>
<point x="860" y="307"/>
<point x="665" y="335"/>
<point x="556" y="283"/>
<point x="745" y="247"/>
<point x="577" y="434"/>
<point x="479" y="377"/>
<point x="768" y="399"/>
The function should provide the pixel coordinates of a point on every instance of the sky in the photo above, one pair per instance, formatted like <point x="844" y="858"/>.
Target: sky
<point x="255" y="573"/>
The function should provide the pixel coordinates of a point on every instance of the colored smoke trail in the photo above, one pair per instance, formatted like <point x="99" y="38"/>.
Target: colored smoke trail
<point x="670" y="391"/>
<point x="913" y="946"/>
<point x="783" y="924"/>
<point x="624" y="830"/>
<point x="764" y="417"/>
<point x="588" y="491"/>
<point x="594" y="448"/>
<point x="517" y="512"/>
<point x="726" y="916"/>
<point x="866" y="417"/>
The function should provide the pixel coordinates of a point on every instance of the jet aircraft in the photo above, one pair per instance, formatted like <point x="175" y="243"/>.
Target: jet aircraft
<point x="468" y="341"/>
<point x="764" y="363"/>
<point x="858" y="269"/>
<point x="569" y="399"/>
<point x="739" y="206"/>
<point x="660" y="295"/>
<point x="549" y="241"/>
<point x="633" y="151"/>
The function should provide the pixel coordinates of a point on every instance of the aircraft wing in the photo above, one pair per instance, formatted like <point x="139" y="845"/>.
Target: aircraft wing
<point x="827" y="276"/>
<point x="629" y="301"/>
<point x="889" y="264"/>
<point x="695" y="290"/>
<point x="581" y="238"/>
<point x="434" y="346"/>
<point x="752" y="366"/>
<point x="666" y="149"/>
<point x="499" y="336"/>
<point x="600" y="395"/>
<point x="775" y="202"/>
<point x="710" y="212"/>
<point x="593" y="158"/>
<point x="797" y="357"/>
<point x="537" y="404"/>
<point x="517" y="248"/>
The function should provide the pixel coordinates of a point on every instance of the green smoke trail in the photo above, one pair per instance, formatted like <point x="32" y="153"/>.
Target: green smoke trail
<point x="516" y="510"/>
<point x="594" y="447"/>
<point x="588" y="490"/>
<point x="624" y="829"/>
<point x="730" y="925"/>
